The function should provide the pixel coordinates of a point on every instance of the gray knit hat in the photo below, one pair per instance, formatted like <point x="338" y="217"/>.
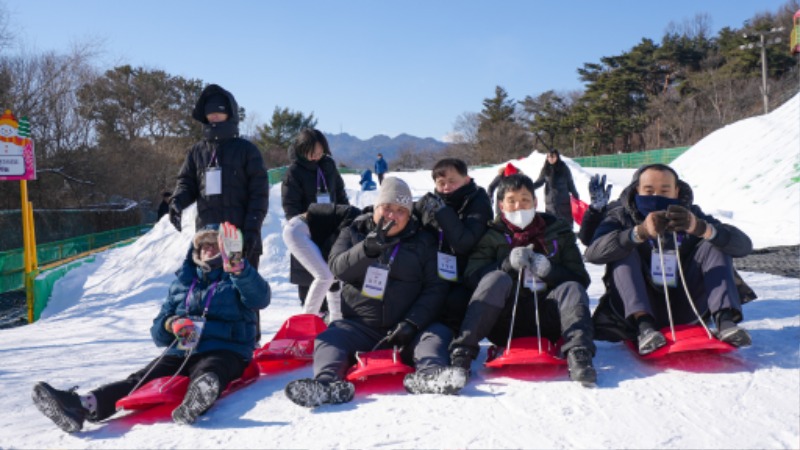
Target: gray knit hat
<point x="395" y="191"/>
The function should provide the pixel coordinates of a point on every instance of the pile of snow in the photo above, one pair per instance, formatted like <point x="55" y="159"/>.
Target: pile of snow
<point x="96" y="330"/>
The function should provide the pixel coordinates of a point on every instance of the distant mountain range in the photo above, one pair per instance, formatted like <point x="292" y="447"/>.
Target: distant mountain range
<point x="359" y="154"/>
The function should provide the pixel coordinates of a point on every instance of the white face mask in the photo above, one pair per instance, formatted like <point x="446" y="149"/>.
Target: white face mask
<point x="521" y="218"/>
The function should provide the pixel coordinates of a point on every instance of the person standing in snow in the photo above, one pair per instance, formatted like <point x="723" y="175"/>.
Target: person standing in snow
<point x="224" y="173"/>
<point x="390" y="292"/>
<point x="502" y="172"/>
<point x="458" y="211"/>
<point x="539" y="250"/>
<point x="208" y="324"/>
<point x="657" y="209"/>
<point x="311" y="178"/>
<point x="558" y="185"/>
<point x="381" y="168"/>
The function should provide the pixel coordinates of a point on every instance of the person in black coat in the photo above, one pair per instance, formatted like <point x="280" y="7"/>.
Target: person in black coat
<point x="311" y="178"/>
<point x="163" y="207"/>
<point x="656" y="210"/>
<point x="224" y="173"/>
<point x="390" y="293"/>
<point x="558" y="185"/>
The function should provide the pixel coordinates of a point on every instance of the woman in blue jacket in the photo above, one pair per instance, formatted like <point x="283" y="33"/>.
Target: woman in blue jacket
<point x="208" y="324"/>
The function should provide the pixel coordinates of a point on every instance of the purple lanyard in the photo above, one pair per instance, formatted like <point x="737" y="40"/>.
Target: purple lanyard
<point x="213" y="159"/>
<point x="208" y="297"/>
<point x="441" y="239"/>
<point x="553" y="253"/>
<point x="320" y="176"/>
<point x="394" y="253"/>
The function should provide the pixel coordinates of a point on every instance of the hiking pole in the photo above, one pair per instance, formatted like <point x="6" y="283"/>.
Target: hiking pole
<point x="154" y="365"/>
<point x="664" y="283"/>
<point x="686" y="288"/>
<point x="514" y="311"/>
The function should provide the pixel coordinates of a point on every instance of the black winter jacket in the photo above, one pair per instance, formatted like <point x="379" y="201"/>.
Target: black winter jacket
<point x="558" y="184"/>
<point x="414" y="291"/>
<point x="245" y="190"/>
<point x="301" y="184"/>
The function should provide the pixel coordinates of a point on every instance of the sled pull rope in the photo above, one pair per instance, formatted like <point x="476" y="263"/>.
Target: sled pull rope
<point x="185" y="360"/>
<point x="514" y="311"/>
<point x="664" y="283"/>
<point x="538" y="328"/>
<point x="175" y="341"/>
<point x="686" y="289"/>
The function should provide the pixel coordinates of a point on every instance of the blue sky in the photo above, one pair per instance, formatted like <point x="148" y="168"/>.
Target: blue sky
<point x="365" y="67"/>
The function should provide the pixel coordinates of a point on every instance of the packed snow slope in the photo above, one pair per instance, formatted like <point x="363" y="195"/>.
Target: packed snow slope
<point x="95" y="331"/>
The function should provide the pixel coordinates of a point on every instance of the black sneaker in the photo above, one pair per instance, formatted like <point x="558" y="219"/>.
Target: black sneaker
<point x="444" y="380"/>
<point x="202" y="393"/>
<point x="62" y="407"/>
<point x="651" y="340"/>
<point x="737" y="337"/>
<point x="579" y="361"/>
<point x="312" y="393"/>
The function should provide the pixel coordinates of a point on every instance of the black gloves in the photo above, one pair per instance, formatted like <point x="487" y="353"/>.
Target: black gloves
<point x="377" y="241"/>
<point x="403" y="333"/>
<point x="681" y="219"/>
<point x="428" y="206"/>
<point x="598" y="192"/>
<point x="175" y="214"/>
<point x="653" y="226"/>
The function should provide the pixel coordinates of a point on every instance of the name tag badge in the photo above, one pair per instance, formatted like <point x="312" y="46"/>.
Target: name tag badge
<point x="530" y="281"/>
<point x="213" y="181"/>
<point x="189" y="342"/>
<point x="323" y="197"/>
<point x="447" y="266"/>
<point x="659" y="274"/>
<point x="375" y="282"/>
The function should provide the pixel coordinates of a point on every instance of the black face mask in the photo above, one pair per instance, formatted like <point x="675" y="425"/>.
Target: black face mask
<point x="219" y="131"/>
<point x="651" y="203"/>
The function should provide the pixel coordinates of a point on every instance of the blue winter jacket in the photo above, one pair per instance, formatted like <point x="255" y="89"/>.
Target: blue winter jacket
<point x="231" y="318"/>
<point x="381" y="166"/>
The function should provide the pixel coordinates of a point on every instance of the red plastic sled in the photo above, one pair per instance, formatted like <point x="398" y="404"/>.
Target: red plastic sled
<point x="292" y="346"/>
<point x="688" y="338"/>
<point x="170" y="391"/>
<point x="377" y="363"/>
<point x="579" y="208"/>
<point x="524" y="351"/>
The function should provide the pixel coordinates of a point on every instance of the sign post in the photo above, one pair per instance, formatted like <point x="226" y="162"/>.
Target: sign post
<point x="17" y="162"/>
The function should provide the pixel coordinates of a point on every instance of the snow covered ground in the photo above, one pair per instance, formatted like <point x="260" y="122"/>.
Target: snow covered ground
<point x="95" y="330"/>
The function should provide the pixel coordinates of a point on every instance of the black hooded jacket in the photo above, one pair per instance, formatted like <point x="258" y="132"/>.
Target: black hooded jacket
<point x="558" y="184"/>
<point x="301" y="183"/>
<point x="245" y="189"/>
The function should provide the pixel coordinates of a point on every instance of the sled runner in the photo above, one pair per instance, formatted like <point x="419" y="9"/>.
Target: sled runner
<point x="292" y="346"/>
<point x="525" y="351"/>
<point x="171" y="390"/>
<point x="687" y="338"/>
<point x="579" y="207"/>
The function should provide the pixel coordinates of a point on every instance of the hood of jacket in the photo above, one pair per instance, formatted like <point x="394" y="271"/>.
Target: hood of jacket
<point x="628" y="195"/>
<point x="198" y="113"/>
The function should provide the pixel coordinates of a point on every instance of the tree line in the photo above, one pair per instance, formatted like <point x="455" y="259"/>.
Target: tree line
<point x="118" y="136"/>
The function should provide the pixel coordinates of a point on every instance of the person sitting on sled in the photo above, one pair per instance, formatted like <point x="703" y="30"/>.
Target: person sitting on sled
<point x="390" y="292"/>
<point x="639" y="237"/>
<point x="540" y="251"/>
<point x="458" y="213"/>
<point x="208" y="324"/>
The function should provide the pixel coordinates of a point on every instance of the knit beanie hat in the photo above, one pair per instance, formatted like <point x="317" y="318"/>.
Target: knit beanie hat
<point x="510" y="170"/>
<point x="217" y="103"/>
<point x="395" y="191"/>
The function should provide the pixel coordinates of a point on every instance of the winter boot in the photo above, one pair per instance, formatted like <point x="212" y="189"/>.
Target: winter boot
<point x="737" y="337"/>
<point x="202" y="393"/>
<point x="650" y="340"/>
<point x="462" y="357"/>
<point x="62" y="407"/>
<point x="312" y="393"/>
<point x="443" y="380"/>
<point x="579" y="361"/>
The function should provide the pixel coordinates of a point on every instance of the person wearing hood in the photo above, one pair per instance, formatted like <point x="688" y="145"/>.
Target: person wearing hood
<point x="539" y="251"/>
<point x="391" y="291"/>
<point x="311" y="178"/>
<point x="207" y="324"/>
<point x="558" y="185"/>
<point x="223" y="173"/>
<point x="458" y="211"/>
<point x="658" y="225"/>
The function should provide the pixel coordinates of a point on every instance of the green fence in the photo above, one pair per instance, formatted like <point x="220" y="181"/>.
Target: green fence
<point x="44" y="282"/>
<point x="12" y="266"/>
<point x="276" y="175"/>
<point x="632" y="160"/>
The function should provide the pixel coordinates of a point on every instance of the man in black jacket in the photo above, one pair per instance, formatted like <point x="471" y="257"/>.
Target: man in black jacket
<point x="637" y="242"/>
<point x="390" y="292"/>
<point x="224" y="173"/>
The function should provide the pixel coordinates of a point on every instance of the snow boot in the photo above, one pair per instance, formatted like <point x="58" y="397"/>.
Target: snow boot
<point x="650" y="340"/>
<point x="443" y="380"/>
<point x="312" y="393"/>
<point x="462" y="357"/>
<point x="202" y="393"/>
<point x="62" y="407"/>
<point x="737" y="337"/>
<point x="579" y="361"/>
